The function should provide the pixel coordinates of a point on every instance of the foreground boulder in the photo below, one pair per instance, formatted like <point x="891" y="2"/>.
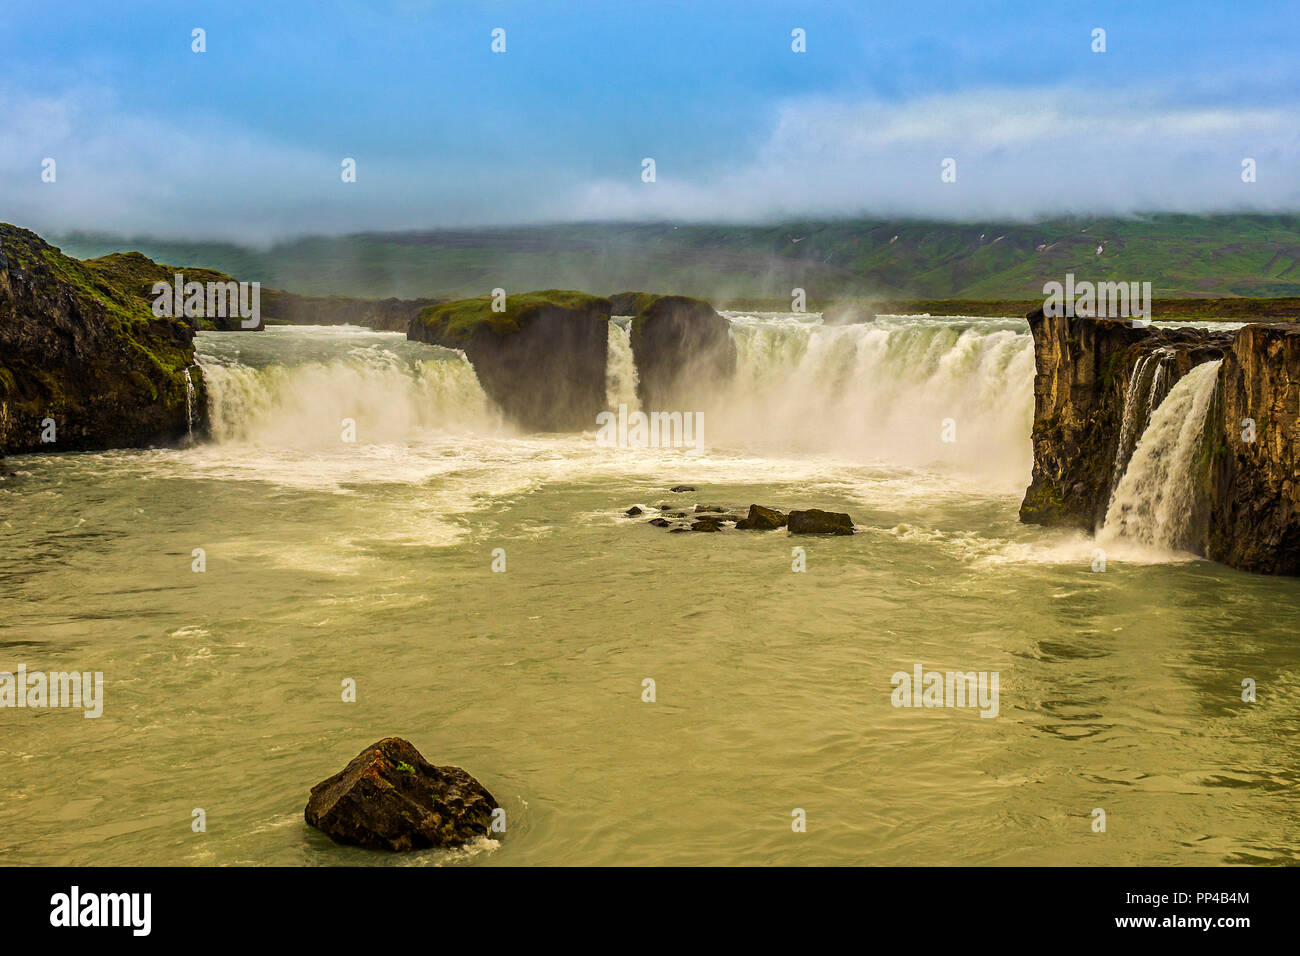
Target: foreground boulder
<point x="815" y="521"/>
<point x="762" y="519"/>
<point x="682" y="349"/>
<point x="390" y="798"/>
<point x="84" y="360"/>
<point x="542" y="360"/>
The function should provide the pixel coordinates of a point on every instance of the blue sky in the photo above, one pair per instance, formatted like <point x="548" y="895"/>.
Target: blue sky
<point x="245" y="140"/>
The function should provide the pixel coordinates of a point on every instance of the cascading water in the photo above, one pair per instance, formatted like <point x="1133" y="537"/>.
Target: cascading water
<point x="287" y="388"/>
<point x="620" y="369"/>
<point x="189" y="406"/>
<point x="1146" y="390"/>
<point x="1159" y="501"/>
<point x="906" y="391"/>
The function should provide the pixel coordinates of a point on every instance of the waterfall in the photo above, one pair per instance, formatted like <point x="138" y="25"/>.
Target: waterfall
<point x="915" y="392"/>
<point x="620" y="369"/>
<point x="296" y="389"/>
<point x="1146" y="390"/>
<point x="1159" y="499"/>
<point x="189" y="406"/>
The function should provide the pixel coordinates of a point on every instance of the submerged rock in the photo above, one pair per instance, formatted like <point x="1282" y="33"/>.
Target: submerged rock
<point x="679" y="489"/>
<point x="633" y="511"/>
<point x="815" y="521"/>
<point x="706" y="524"/>
<point x="659" y="522"/>
<point x="390" y="798"/>
<point x="761" y="519"/>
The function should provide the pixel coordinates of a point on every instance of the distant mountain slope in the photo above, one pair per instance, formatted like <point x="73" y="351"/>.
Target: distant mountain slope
<point x="1180" y="255"/>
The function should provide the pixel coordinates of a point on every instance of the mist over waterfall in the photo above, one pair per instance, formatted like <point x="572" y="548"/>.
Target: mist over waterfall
<point x="891" y="391"/>
<point x="1158" y="500"/>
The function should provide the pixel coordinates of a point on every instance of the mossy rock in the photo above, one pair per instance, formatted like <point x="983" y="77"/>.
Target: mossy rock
<point x="82" y="346"/>
<point x="542" y="359"/>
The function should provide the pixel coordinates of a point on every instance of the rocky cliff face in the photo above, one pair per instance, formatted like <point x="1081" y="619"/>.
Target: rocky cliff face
<point x="1097" y="384"/>
<point x="1084" y="371"/>
<point x="81" y="350"/>
<point x="1255" y="477"/>
<point x="682" y="348"/>
<point x="542" y="360"/>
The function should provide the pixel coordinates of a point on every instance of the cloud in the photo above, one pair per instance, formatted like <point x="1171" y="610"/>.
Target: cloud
<point x="1018" y="154"/>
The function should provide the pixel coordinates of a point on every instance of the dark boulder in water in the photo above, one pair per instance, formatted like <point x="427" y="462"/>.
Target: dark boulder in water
<point x="761" y="519"/>
<point x="633" y="511"/>
<point x="680" y="489"/>
<point x="390" y="798"/>
<point x="659" y="522"/>
<point x="706" y="524"/>
<point x="815" y="521"/>
<point x="542" y="360"/>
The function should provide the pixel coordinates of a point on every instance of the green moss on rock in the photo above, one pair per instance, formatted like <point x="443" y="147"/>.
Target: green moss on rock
<point x="81" y="346"/>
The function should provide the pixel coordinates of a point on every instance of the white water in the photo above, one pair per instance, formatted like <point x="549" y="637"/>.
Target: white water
<point x="885" y="392"/>
<point x="287" y="392"/>
<point x="189" y="406"/>
<point x="620" y="370"/>
<point x="1155" y="502"/>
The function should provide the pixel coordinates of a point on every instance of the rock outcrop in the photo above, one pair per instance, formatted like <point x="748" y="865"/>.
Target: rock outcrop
<point x="682" y="348"/>
<point x="1083" y="370"/>
<point x="816" y="521"/>
<point x="542" y="360"/>
<point x="84" y="359"/>
<point x="135" y="273"/>
<point x="761" y="519"/>
<point x="1097" y="383"/>
<point x="390" y="798"/>
<point x="1255" y="461"/>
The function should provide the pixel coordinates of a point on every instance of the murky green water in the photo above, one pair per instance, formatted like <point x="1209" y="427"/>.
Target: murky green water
<point x="371" y="560"/>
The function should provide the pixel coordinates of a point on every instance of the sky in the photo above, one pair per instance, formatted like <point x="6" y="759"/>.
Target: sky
<point x="246" y="141"/>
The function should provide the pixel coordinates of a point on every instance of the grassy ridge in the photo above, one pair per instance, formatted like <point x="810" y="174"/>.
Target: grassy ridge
<point x="1181" y="255"/>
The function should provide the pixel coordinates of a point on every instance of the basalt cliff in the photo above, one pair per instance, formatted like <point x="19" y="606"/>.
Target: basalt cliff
<point x="84" y="362"/>
<point x="1097" y="387"/>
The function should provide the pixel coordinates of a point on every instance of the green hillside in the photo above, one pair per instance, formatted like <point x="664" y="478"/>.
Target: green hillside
<point x="1181" y="255"/>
